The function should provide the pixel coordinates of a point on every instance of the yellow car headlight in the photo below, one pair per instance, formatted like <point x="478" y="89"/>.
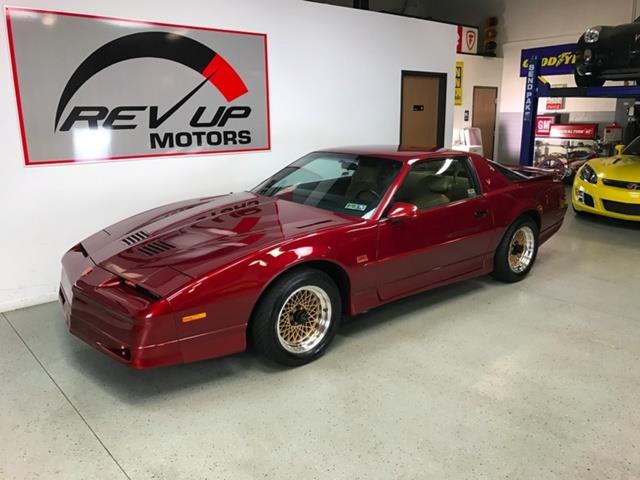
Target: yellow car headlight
<point x="588" y="174"/>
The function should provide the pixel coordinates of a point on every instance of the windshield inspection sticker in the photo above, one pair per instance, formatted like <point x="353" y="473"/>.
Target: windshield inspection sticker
<point x="356" y="206"/>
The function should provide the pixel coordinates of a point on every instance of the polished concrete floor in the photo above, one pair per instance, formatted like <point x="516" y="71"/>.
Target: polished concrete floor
<point x="476" y="381"/>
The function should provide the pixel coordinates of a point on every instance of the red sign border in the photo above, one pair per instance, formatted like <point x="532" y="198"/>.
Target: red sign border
<point x="594" y="126"/>
<point x="25" y="150"/>
<point x="544" y="117"/>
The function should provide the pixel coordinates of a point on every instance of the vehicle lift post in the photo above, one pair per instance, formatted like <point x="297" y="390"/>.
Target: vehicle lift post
<point x="537" y="87"/>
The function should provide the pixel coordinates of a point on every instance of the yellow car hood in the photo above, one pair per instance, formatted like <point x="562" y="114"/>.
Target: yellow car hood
<point x="621" y="167"/>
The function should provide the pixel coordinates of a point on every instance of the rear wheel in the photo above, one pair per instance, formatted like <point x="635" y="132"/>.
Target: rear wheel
<point x="517" y="251"/>
<point x="297" y="318"/>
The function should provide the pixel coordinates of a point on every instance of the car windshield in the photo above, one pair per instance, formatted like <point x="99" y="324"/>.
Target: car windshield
<point x="344" y="183"/>
<point x="633" y="148"/>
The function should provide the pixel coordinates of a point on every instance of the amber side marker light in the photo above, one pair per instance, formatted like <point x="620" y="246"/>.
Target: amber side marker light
<point x="197" y="316"/>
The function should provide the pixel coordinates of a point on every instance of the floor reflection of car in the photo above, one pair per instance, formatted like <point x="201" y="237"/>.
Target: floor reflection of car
<point x="336" y="232"/>
<point x="566" y="160"/>
<point x="610" y="186"/>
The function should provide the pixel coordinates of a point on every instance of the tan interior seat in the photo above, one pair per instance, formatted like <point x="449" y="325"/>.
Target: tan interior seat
<point x="424" y="190"/>
<point x="459" y="189"/>
<point x="432" y="192"/>
<point x="366" y="180"/>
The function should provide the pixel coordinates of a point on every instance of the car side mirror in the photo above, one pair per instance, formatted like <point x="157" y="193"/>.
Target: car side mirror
<point x="619" y="149"/>
<point x="400" y="211"/>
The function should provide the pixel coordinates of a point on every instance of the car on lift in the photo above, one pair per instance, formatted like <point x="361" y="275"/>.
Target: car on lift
<point x="608" y="53"/>
<point x="610" y="186"/>
<point x="337" y="232"/>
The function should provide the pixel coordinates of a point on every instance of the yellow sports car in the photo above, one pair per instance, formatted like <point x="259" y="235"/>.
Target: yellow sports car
<point x="610" y="186"/>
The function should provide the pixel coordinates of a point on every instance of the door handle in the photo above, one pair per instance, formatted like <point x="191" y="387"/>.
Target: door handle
<point x="481" y="213"/>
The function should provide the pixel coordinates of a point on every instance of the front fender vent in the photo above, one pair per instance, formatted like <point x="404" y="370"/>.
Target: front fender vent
<point x="155" y="248"/>
<point x="134" y="238"/>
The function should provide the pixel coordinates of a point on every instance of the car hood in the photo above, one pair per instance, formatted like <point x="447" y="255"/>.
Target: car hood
<point x="621" y="167"/>
<point x="163" y="248"/>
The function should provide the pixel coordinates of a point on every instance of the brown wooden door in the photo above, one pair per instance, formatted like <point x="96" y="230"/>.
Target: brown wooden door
<point x="484" y="116"/>
<point x="422" y="122"/>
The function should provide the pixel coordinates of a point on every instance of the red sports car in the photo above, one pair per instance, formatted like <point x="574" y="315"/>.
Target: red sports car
<point x="336" y="232"/>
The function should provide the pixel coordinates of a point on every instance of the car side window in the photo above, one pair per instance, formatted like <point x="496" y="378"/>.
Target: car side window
<point x="432" y="183"/>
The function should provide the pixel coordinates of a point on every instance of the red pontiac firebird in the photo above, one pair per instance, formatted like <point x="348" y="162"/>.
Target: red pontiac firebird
<point x="337" y="232"/>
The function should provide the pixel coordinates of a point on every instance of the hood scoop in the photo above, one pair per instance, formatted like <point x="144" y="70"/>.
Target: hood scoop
<point x="313" y="224"/>
<point x="155" y="248"/>
<point x="134" y="238"/>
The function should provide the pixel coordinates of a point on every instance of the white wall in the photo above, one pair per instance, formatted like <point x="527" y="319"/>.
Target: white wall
<point x="478" y="72"/>
<point x="527" y="24"/>
<point x="334" y="80"/>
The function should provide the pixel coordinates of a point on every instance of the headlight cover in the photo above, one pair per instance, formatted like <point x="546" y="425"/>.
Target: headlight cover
<point x="588" y="174"/>
<point x="592" y="35"/>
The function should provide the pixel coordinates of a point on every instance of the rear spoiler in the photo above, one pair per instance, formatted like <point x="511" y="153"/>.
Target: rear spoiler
<point x="537" y="173"/>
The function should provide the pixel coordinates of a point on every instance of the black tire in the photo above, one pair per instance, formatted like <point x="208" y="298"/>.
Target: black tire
<point x="265" y="325"/>
<point x="590" y="81"/>
<point x="502" y="269"/>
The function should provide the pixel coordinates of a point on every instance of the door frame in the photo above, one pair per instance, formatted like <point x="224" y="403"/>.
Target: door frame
<point x="442" y="101"/>
<point x="495" y="115"/>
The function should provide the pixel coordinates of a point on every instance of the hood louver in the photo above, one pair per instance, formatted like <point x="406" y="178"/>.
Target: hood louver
<point x="154" y="248"/>
<point x="134" y="238"/>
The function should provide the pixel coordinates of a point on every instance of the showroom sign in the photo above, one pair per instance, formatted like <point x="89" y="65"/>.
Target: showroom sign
<point x="543" y="125"/>
<point x="457" y="100"/>
<point x="554" y="60"/>
<point x="586" y="131"/>
<point x="95" y="88"/>
<point x="467" y="40"/>
<point x="578" y="131"/>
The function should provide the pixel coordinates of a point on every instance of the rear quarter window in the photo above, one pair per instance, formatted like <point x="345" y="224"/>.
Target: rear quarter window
<point x="507" y="172"/>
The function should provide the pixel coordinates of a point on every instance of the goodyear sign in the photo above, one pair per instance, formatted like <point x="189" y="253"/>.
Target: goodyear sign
<point x="555" y="59"/>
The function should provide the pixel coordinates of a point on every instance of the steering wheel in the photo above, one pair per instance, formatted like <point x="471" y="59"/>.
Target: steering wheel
<point x="371" y="191"/>
<point x="555" y="164"/>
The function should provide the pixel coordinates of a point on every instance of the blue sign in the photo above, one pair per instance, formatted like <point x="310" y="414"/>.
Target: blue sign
<point x="530" y="110"/>
<point x="554" y="60"/>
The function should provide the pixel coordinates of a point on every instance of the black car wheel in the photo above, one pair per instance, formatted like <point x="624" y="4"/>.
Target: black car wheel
<point x="297" y="318"/>
<point x="517" y="251"/>
<point x="588" y="81"/>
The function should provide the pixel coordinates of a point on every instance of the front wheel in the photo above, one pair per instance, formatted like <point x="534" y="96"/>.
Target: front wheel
<point x="297" y="318"/>
<point x="517" y="251"/>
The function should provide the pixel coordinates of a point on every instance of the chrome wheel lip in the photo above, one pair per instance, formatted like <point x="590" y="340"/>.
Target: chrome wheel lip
<point x="315" y="336"/>
<point x="523" y="238"/>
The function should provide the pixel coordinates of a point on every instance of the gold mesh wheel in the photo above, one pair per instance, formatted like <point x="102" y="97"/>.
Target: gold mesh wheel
<point x="521" y="249"/>
<point x="304" y="319"/>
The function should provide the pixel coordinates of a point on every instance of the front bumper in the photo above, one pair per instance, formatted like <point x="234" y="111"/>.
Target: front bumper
<point x="129" y="328"/>
<point x="597" y="60"/>
<point x="600" y="199"/>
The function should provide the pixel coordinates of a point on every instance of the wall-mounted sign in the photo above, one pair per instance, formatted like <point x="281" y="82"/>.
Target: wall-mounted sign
<point x="458" y="87"/>
<point x="543" y="125"/>
<point x="554" y="60"/>
<point x="576" y="131"/>
<point x="95" y="88"/>
<point x="467" y="40"/>
<point x="555" y="103"/>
